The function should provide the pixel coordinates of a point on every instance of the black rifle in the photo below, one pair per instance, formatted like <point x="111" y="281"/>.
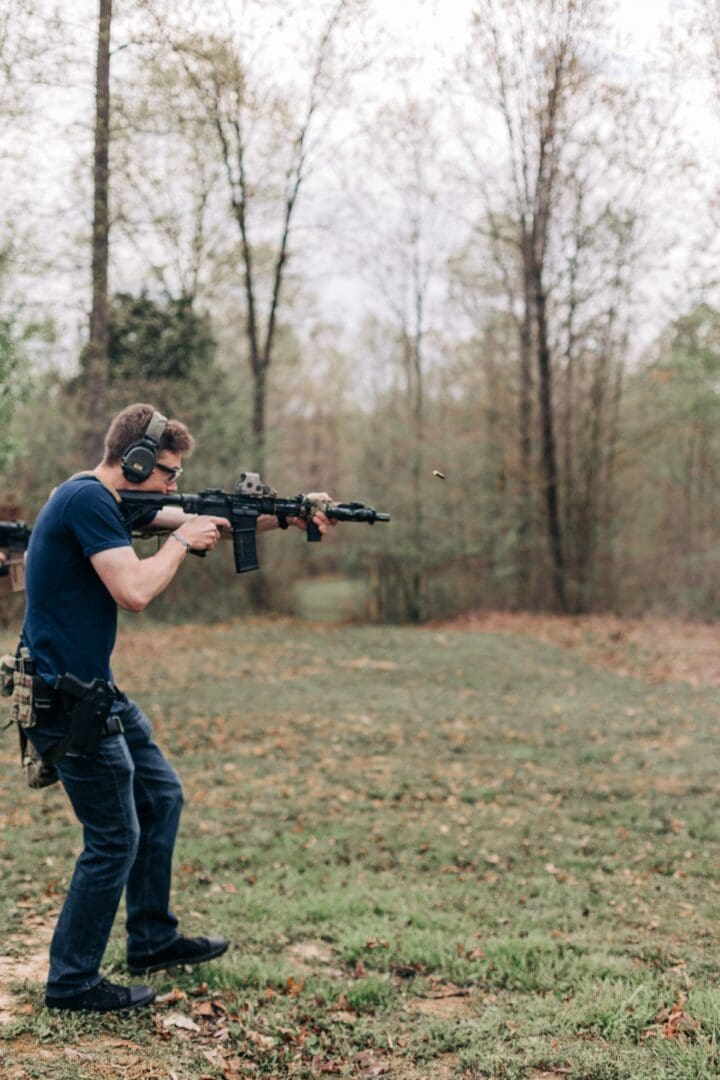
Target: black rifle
<point x="14" y="537"/>
<point x="242" y="508"/>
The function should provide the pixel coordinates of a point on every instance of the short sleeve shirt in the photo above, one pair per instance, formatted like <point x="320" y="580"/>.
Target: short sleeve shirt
<point x="70" y="617"/>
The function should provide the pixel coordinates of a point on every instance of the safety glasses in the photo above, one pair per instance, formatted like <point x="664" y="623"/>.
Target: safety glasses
<point x="173" y="471"/>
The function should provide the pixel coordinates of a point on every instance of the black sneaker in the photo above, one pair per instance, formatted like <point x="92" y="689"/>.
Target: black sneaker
<point x="183" y="951"/>
<point x="105" y="997"/>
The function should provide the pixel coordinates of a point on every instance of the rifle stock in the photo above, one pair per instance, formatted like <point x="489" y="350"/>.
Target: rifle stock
<point x="14" y="538"/>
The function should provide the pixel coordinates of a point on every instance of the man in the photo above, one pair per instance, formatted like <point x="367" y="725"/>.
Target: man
<point x="80" y="567"/>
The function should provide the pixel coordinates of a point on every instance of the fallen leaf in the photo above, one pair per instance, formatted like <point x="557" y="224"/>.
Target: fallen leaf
<point x="677" y="1021"/>
<point x="371" y="1064"/>
<point x="180" y="1020"/>
<point x="172" y="997"/>
<point x="342" y="1016"/>
<point x="262" y="1042"/>
<point x="207" y="1009"/>
<point x="319" y="1066"/>
<point x="76" y="1055"/>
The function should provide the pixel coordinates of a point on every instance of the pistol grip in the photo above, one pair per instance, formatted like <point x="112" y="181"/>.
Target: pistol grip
<point x="313" y="533"/>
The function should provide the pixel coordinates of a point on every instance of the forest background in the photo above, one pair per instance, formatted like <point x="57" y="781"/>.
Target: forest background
<point x="349" y="249"/>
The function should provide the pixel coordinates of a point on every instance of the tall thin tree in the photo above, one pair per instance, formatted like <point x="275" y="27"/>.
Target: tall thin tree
<point x="96" y="366"/>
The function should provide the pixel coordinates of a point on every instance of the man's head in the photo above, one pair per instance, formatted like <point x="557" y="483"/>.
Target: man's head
<point x="129" y="427"/>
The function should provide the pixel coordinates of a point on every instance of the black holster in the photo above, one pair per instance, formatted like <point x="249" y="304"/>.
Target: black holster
<point x="88" y="706"/>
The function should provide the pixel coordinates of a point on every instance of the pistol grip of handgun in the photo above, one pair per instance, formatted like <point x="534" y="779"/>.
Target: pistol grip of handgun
<point x="200" y="554"/>
<point x="313" y="532"/>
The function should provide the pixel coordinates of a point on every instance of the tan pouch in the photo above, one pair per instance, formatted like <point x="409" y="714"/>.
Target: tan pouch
<point x="21" y="708"/>
<point x="21" y="711"/>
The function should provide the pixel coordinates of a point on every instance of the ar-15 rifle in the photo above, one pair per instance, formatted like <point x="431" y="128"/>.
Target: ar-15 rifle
<point x="242" y="507"/>
<point x="14" y="537"/>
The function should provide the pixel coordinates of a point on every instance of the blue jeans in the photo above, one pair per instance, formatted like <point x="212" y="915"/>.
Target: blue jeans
<point x="128" y="800"/>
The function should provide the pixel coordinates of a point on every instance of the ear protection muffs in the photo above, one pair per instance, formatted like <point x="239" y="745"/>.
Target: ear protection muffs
<point x="139" y="459"/>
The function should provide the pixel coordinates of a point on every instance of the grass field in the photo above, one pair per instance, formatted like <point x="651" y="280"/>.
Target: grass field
<point x="436" y="854"/>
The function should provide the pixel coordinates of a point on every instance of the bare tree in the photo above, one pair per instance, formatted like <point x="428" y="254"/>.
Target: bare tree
<point x="265" y="137"/>
<point x="401" y="251"/>
<point x="24" y="67"/>
<point x="562" y="228"/>
<point x="167" y="216"/>
<point x="96" y="359"/>
<point x="535" y="71"/>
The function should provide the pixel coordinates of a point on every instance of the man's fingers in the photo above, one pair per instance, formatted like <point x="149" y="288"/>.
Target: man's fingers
<point x="322" y="521"/>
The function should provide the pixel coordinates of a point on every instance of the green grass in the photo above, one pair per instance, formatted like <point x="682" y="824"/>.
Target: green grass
<point x="330" y="599"/>
<point x="435" y="855"/>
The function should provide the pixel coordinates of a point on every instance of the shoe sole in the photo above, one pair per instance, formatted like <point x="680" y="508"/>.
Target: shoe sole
<point x="59" y="1007"/>
<point x="211" y="954"/>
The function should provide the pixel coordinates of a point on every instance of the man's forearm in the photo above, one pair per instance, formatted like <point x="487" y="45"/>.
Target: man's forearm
<point x="170" y="517"/>
<point x="134" y="582"/>
<point x="157" y="571"/>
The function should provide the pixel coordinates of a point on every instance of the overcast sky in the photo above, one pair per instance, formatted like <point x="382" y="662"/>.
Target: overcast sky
<point x="430" y="31"/>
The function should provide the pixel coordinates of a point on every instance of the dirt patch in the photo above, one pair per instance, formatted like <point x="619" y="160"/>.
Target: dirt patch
<point x="446" y="1002"/>
<point x="101" y="1058"/>
<point x="552" y="1075"/>
<point x="442" y="1067"/>
<point x="441" y="1008"/>
<point x="115" y="1057"/>
<point x="654" y="649"/>
<point x="314" y="956"/>
<point x="22" y="966"/>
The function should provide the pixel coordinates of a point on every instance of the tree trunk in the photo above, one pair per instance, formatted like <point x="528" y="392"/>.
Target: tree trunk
<point x="549" y="455"/>
<point x="97" y="351"/>
<point x="417" y="602"/>
<point x="258" y="420"/>
<point x="525" y="439"/>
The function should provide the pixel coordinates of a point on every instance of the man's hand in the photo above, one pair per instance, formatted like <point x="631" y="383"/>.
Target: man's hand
<point x="202" y="531"/>
<point x="320" y="518"/>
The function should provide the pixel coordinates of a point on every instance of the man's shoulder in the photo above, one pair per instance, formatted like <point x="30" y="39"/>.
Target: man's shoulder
<point x="85" y="508"/>
<point x="85" y="490"/>
<point x="80" y="499"/>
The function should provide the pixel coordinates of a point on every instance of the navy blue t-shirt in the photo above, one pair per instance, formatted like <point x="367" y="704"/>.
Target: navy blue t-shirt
<point x="70" y="617"/>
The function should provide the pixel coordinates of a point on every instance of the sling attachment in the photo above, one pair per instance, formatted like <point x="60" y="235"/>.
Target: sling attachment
<point x="88" y="706"/>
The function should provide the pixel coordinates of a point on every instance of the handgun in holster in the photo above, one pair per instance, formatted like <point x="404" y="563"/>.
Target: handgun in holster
<point x="89" y="706"/>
